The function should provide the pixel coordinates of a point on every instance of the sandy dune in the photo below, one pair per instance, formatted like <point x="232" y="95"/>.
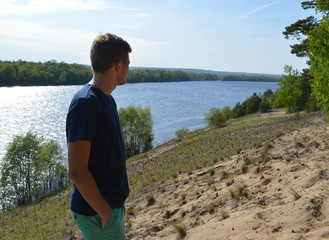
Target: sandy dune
<point x="276" y="191"/>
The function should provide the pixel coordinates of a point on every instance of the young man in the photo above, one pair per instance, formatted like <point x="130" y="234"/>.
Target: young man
<point x="96" y="158"/>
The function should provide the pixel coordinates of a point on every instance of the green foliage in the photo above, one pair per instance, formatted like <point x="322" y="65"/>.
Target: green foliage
<point x="249" y="78"/>
<point x="298" y="30"/>
<point x="227" y="112"/>
<point x="158" y="75"/>
<point x="294" y="194"/>
<point x="22" y="73"/>
<point x="239" y="110"/>
<point x="264" y="106"/>
<point x="181" y="132"/>
<point x="216" y="118"/>
<point x="290" y="91"/>
<point x="136" y="124"/>
<point x="30" y="169"/>
<point x="252" y="104"/>
<point x="319" y="57"/>
<point x="180" y="229"/>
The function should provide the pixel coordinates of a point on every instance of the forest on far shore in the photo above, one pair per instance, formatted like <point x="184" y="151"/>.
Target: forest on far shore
<point x="23" y="73"/>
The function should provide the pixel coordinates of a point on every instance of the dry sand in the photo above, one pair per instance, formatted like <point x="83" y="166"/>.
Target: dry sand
<point x="266" y="208"/>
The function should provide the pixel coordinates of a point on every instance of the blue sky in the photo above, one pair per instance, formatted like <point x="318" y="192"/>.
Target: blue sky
<point x="236" y="35"/>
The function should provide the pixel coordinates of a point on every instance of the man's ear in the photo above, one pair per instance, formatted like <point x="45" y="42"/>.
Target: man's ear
<point x="118" y="65"/>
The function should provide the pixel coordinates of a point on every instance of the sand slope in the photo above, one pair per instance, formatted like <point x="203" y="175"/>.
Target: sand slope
<point x="255" y="187"/>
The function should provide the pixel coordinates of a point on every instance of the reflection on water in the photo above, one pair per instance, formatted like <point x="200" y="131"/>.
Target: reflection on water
<point x="173" y="106"/>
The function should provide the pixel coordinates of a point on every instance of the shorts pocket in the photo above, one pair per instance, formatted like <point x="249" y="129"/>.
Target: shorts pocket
<point x="112" y="220"/>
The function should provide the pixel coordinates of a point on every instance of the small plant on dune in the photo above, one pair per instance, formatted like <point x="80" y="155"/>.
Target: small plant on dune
<point x="183" y="196"/>
<point x="225" y="175"/>
<point x="210" y="208"/>
<point x="224" y="214"/>
<point x="246" y="160"/>
<point x="237" y="150"/>
<point x="181" y="132"/>
<point x="264" y="157"/>
<point x="130" y="211"/>
<point x="267" y="146"/>
<point x="210" y="182"/>
<point x="211" y="172"/>
<point x="150" y="200"/>
<point x="240" y="190"/>
<point x="287" y="158"/>
<point x="279" y="134"/>
<point x="294" y="194"/>
<point x="244" y="169"/>
<point x="180" y="229"/>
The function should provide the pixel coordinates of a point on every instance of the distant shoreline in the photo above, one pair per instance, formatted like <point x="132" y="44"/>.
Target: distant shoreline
<point x="52" y="73"/>
<point x="54" y="85"/>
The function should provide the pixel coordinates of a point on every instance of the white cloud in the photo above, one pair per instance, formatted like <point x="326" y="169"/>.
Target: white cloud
<point x="38" y="37"/>
<point x="29" y="7"/>
<point x="70" y="42"/>
<point x="256" y="10"/>
<point x="141" y="15"/>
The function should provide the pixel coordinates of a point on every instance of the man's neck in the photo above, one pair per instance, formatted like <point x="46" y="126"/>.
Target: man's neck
<point x="103" y="82"/>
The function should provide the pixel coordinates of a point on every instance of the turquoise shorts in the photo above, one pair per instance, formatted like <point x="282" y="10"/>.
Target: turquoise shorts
<point x="91" y="226"/>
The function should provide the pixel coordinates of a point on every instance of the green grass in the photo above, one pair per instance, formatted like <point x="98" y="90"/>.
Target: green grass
<point x="180" y="229"/>
<point x="50" y="218"/>
<point x="294" y="194"/>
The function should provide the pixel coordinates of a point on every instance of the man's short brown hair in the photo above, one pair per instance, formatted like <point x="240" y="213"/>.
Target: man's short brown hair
<point x="106" y="50"/>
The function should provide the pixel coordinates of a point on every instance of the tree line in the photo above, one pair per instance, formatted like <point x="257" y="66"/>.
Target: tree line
<point x="31" y="168"/>
<point x="23" y="73"/>
<point x="307" y="90"/>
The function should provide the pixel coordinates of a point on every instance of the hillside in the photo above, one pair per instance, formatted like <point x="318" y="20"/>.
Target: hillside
<point x="192" y="70"/>
<point x="264" y="176"/>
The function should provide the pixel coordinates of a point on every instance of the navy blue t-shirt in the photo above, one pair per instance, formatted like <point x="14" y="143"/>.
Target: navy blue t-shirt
<point x="93" y="116"/>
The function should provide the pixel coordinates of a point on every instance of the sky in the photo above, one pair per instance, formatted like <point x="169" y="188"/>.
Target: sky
<point x="230" y="35"/>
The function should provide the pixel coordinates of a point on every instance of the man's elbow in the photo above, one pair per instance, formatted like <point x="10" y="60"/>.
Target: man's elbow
<point x="74" y="174"/>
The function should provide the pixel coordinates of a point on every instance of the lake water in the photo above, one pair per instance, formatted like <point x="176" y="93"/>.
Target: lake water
<point x="173" y="106"/>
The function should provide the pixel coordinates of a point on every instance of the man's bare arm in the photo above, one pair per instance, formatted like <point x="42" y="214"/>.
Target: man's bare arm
<point x="78" y="157"/>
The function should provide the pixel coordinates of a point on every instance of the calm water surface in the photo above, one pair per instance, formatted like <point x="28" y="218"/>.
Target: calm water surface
<point x="173" y="106"/>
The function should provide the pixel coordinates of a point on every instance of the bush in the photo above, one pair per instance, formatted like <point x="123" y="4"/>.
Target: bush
<point x="181" y="132"/>
<point x="239" y="110"/>
<point x="252" y="104"/>
<point x="31" y="169"/>
<point x="290" y="93"/>
<point x="216" y="118"/>
<point x="227" y="112"/>
<point x="264" y="106"/>
<point x="136" y="124"/>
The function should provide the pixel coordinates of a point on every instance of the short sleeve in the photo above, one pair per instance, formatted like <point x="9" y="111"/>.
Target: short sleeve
<point x="82" y="121"/>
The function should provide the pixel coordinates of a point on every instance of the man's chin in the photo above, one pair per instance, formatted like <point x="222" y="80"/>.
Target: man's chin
<point x="122" y="83"/>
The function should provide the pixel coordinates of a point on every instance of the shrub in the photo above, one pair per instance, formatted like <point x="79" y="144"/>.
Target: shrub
<point x="31" y="169"/>
<point x="181" y="132"/>
<point x="224" y="214"/>
<point x="150" y="200"/>
<point x="252" y="104"/>
<point x="227" y="112"/>
<point x="180" y="229"/>
<point x="216" y="118"/>
<point x="239" y="110"/>
<point x="264" y="106"/>
<point x="136" y="124"/>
